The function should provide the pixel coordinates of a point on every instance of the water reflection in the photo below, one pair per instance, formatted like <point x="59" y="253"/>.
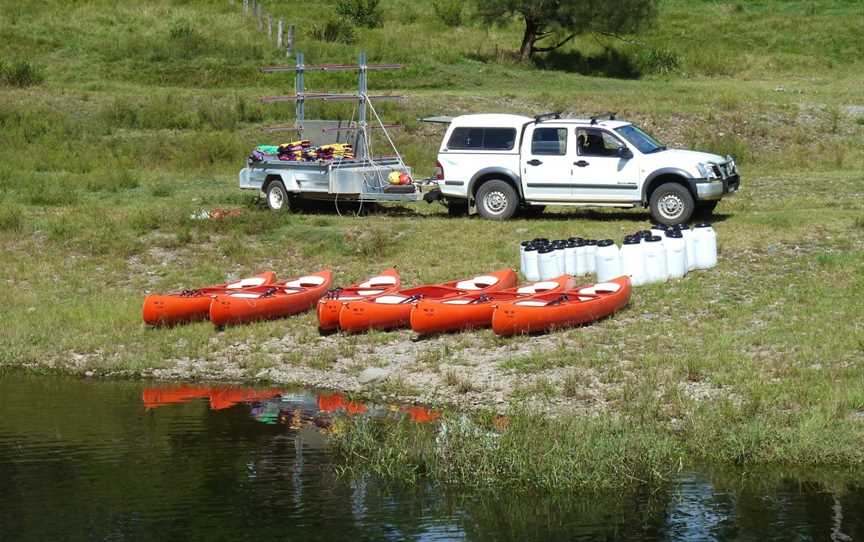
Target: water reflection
<point x="96" y="460"/>
<point x="276" y="406"/>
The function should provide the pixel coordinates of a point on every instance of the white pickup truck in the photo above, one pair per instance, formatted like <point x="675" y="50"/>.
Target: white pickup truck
<point x="501" y="164"/>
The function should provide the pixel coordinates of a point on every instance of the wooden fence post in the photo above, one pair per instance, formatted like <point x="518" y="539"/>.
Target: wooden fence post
<point x="289" y="47"/>
<point x="280" y="28"/>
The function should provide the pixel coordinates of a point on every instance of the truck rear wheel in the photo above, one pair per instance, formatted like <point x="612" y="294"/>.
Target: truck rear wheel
<point x="671" y="204"/>
<point x="277" y="197"/>
<point x="497" y="200"/>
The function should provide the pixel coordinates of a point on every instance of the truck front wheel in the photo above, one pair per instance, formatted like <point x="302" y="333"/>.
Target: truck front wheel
<point x="497" y="200"/>
<point x="277" y="196"/>
<point x="671" y="204"/>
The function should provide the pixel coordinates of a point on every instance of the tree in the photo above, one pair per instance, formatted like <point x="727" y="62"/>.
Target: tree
<point x="556" y="22"/>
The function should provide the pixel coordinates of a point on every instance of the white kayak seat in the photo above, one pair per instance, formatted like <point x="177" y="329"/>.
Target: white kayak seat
<point x="247" y="283"/>
<point x="390" y="299"/>
<point x="588" y="291"/>
<point x="586" y="298"/>
<point x="531" y="303"/>
<point x="369" y="292"/>
<point x="306" y="282"/>
<point x="246" y="295"/>
<point x="537" y="287"/>
<point x="477" y="283"/>
<point x="457" y="301"/>
<point x="347" y="298"/>
<point x="607" y="287"/>
<point x="292" y="290"/>
<point x="377" y="282"/>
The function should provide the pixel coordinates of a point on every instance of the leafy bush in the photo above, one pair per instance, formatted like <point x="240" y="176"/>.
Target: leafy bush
<point x="334" y="31"/>
<point x="449" y="11"/>
<point x="11" y="219"/>
<point x="361" y="12"/>
<point x="20" y="74"/>
<point x="660" y="61"/>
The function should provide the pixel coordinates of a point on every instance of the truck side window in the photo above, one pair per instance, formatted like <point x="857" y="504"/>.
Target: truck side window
<point x="594" y="142"/>
<point x="549" y="141"/>
<point x="487" y="139"/>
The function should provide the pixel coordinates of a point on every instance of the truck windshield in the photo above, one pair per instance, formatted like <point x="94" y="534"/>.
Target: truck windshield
<point x="642" y="141"/>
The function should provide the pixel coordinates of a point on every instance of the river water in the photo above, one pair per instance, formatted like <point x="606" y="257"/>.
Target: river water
<point x="105" y="460"/>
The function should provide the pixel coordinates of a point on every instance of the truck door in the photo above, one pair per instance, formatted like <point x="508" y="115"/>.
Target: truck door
<point x="547" y="163"/>
<point x="599" y="172"/>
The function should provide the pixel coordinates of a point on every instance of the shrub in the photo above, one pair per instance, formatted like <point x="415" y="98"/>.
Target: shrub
<point x="660" y="61"/>
<point x="11" y="219"/>
<point x="20" y="74"/>
<point x="449" y="11"/>
<point x="334" y="31"/>
<point x="361" y="12"/>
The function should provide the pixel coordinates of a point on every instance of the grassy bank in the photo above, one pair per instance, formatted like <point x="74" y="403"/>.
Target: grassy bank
<point x="107" y="150"/>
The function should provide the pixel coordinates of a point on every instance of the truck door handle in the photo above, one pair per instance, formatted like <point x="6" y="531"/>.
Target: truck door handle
<point x="580" y="163"/>
<point x="534" y="162"/>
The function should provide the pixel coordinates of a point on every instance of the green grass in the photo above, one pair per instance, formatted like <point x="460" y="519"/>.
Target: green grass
<point x="119" y="122"/>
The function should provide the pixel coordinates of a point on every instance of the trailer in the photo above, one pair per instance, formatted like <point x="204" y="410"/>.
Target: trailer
<point x="361" y="178"/>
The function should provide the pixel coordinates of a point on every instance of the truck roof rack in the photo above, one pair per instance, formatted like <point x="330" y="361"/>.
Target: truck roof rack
<point x="609" y="115"/>
<point x="547" y="116"/>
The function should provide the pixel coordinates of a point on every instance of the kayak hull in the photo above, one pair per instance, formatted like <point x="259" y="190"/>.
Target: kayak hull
<point x="194" y="305"/>
<point x="548" y="311"/>
<point x="386" y="282"/>
<point x="270" y="302"/>
<point x="394" y="311"/>
<point x="474" y="311"/>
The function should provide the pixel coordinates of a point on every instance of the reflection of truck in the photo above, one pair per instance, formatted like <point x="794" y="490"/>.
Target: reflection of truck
<point x="501" y="163"/>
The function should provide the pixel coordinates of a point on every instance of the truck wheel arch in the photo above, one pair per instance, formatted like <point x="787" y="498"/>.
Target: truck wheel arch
<point x="490" y="173"/>
<point x="663" y="176"/>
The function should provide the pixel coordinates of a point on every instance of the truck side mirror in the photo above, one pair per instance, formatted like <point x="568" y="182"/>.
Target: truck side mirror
<point x="624" y="152"/>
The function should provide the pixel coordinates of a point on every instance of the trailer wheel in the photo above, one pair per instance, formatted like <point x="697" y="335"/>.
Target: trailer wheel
<point x="497" y="200"/>
<point x="277" y="196"/>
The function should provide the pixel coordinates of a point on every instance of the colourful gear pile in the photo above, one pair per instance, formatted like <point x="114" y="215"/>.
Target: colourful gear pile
<point x="303" y="151"/>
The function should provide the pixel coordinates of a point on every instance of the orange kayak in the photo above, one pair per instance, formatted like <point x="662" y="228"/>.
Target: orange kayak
<point x="475" y="310"/>
<point x="394" y="310"/>
<point x="555" y="310"/>
<point x="269" y="302"/>
<point x="192" y="305"/>
<point x="387" y="282"/>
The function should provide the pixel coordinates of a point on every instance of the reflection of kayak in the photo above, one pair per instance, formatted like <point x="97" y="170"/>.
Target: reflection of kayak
<point x="331" y="402"/>
<point x="220" y="397"/>
<point x="421" y="414"/>
<point x="573" y="307"/>
<point x="328" y="307"/>
<point x="394" y="310"/>
<point x="475" y="309"/>
<point x="269" y="302"/>
<point x="156" y="397"/>
<point x="192" y="305"/>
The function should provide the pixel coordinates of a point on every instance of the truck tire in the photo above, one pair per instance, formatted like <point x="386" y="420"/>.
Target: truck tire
<point x="671" y="204"/>
<point x="497" y="200"/>
<point x="277" y="197"/>
<point x="457" y="207"/>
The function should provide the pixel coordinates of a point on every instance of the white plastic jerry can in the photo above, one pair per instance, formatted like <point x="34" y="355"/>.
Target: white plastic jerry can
<point x="655" y="260"/>
<point x="676" y="254"/>
<point x="632" y="260"/>
<point x="590" y="256"/>
<point x="547" y="263"/>
<point x="608" y="260"/>
<point x="531" y="269"/>
<point x="705" y="241"/>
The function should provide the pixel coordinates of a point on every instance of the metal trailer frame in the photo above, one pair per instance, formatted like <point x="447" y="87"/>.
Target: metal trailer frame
<point x="360" y="179"/>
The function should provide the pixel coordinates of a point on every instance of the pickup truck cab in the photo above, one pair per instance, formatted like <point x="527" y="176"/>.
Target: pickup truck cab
<point x="502" y="163"/>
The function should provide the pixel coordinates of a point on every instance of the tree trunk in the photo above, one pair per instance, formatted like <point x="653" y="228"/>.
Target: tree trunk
<point x="528" y="39"/>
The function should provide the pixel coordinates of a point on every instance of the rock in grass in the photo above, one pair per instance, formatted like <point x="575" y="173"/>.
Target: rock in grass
<point x="372" y="374"/>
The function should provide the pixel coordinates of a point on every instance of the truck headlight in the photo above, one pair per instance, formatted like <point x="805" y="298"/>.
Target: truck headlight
<point x="706" y="169"/>
<point x="733" y="169"/>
